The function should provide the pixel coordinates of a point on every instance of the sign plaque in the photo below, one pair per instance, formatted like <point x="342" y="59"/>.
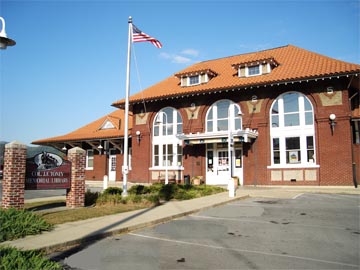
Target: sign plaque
<point x="47" y="171"/>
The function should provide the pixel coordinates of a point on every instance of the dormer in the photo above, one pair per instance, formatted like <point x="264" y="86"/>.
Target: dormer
<point x="195" y="77"/>
<point x="255" y="67"/>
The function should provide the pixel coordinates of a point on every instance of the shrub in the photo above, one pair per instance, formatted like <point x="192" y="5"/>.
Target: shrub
<point x="135" y="198"/>
<point x="113" y="190"/>
<point x="186" y="194"/>
<point x="12" y="258"/>
<point x="91" y="197"/>
<point x="19" y="223"/>
<point x="168" y="191"/>
<point x="153" y="198"/>
<point x="106" y="198"/>
<point x="139" y="190"/>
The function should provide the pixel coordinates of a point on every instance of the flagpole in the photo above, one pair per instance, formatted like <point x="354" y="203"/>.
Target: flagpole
<point x="125" y="168"/>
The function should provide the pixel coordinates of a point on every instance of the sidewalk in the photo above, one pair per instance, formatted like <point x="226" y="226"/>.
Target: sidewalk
<point x="82" y="232"/>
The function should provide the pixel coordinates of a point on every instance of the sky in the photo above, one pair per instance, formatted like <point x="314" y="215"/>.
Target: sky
<point x="69" y="63"/>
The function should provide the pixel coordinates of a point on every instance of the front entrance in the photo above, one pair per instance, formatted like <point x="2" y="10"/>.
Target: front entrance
<point x="219" y="169"/>
<point x="112" y="165"/>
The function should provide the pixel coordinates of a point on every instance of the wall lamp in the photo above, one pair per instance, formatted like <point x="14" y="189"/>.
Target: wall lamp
<point x="138" y="136"/>
<point x="332" y="122"/>
<point x="4" y="40"/>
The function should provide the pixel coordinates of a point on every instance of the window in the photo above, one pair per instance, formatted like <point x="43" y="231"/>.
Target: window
<point x="90" y="159"/>
<point x="218" y="116"/>
<point x="167" y="148"/>
<point x="254" y="70"/>
<point x="292" y="131"/>
<point x="193" y="80"/>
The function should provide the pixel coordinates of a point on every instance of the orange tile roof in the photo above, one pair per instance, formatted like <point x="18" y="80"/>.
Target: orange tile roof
<point x="294" y="64"/>
<point x="93" y="130"/>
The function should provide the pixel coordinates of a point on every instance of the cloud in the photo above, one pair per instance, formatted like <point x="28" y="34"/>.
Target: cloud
<point x="184" y="57"/>
<point x="191" y="52"/>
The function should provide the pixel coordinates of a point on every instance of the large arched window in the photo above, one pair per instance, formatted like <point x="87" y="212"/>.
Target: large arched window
<point x="292" y="131"/>
<point x="219" y="114"/>
<point x="167" y="148"/>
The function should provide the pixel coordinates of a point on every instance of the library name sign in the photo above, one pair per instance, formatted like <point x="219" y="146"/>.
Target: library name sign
<point x="47" y="171"/>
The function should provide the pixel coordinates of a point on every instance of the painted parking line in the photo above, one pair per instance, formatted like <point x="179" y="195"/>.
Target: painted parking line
<point x="297" y="196"/>
<point x="286" y="256"/>
<point x="272" y="223"/>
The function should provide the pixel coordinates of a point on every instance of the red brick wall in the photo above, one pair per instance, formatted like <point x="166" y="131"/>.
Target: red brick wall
<point x="333" y="152"/>
<point x="14" y="176"/>
<point x="75" y="196"/>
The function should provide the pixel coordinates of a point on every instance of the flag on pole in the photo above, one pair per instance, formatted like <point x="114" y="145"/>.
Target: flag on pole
<point x="139" y="36"/>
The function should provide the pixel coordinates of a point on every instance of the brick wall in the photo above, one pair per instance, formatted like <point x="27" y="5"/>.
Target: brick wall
<point x="75" y="196"/>
<point x="14" y="175"/>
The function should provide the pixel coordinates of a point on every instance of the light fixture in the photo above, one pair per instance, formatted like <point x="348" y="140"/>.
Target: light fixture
<point x="64" y="148"/>
<point x="138" y="136"/>
<point x="4" y="40"/>
<point x="332" y="118"/>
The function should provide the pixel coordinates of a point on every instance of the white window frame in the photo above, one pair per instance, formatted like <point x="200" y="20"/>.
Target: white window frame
<point x="189" y="80"/>
<point x="302" y="131"/>
<point x="88" y="158"/>
<point x="167" y="140"/>
<point x="232" y="116"/>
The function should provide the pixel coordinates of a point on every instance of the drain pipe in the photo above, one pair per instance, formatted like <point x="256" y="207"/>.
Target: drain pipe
<point x="352" y="138"/>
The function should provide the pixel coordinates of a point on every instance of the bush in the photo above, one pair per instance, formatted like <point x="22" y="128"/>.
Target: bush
<point x="12" y="258"/>
<point x="106" y="198"/>
<point x="113" y="191"/>
<point x="153" y="198"/>
<point x="139" y="190"/>
<point x="168" y="191"/>
<point x="91" y="197"/>
<point x="183" y="194"/>
<point x="19" y="223"/>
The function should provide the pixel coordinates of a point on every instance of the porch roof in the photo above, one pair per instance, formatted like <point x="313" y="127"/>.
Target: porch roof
<point x="246" y="136"/>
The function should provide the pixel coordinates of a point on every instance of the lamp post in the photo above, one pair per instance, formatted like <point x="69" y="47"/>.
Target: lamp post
<point x="231" y="125"/>
<point x="166" y="146"/>
<point x="4" y="40"/>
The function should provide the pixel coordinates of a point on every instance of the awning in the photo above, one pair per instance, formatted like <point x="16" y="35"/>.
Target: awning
<point x="247" y="136"/>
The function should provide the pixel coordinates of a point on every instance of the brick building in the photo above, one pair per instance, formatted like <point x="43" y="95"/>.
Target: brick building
<point x="283" y="116"/>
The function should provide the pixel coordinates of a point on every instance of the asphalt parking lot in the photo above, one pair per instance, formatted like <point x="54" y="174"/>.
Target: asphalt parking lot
<point x="309" y="231"/>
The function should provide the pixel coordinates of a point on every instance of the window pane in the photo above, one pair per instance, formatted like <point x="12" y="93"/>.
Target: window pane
<point x="309" y="118"/>
<point x="310" y="149"/>
<point x="275" y="108"/>
<point x="156" y="149"/>
<point x="308" y="106"/>
<point x="210" y="114"/>
<point x="293" y="150"/>
<point x="291" y="103"/>
<point x="222" y="109"/>
<point x="179" y="129"/>
<point x="209" y="126"/>
<point x="222" y="125"/>
<point x="255" y="70"/>
<point x="276" y="157"/>
<point x="275" y="120"/>
<point x="238" y="123"/>
<point x="194" y="80"/>
<point x="276" y="144"/>
<point x="291" y="120"/>
<point x="156" y="130"/>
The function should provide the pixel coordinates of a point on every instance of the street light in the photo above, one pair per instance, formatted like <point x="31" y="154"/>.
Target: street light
<point x="4" y="40"/>
<point x="231" y="125"/>
<point x="158" y="121"/>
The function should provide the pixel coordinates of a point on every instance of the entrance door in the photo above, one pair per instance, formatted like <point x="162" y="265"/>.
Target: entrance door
<point x="112" y="165"/>
<point x="218" y="166"/>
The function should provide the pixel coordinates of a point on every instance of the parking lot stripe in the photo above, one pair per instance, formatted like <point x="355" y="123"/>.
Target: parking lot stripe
<point x="297" y="196"/>
<point x="243" y="250"/>
<point x="268" y="222"/>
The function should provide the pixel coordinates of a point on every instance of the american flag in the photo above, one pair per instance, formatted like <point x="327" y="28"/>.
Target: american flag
<point x="139" y="36"/>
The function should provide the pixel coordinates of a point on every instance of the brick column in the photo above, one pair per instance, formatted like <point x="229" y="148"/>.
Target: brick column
<point x="14" y="175"/>
<point x="75" y="196"/>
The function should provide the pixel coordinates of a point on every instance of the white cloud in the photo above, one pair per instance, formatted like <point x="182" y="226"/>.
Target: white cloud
<point x="191" y="52"/>
<point x="175" y="58"/>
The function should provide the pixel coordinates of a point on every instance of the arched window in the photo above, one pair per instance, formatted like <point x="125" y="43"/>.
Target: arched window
<point x="167" y="148"/>
<point x="292" y="131"/>
<point x="219" y="114"/>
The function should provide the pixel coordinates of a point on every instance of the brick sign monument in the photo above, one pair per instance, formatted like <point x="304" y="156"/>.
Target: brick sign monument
<point x="43" y="171"/>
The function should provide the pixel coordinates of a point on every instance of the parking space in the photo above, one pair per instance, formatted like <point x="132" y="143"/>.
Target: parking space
<point x="311" y="231"/>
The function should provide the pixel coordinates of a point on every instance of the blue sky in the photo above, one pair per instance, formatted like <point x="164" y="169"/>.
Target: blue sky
<point x="69" y="63"/>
